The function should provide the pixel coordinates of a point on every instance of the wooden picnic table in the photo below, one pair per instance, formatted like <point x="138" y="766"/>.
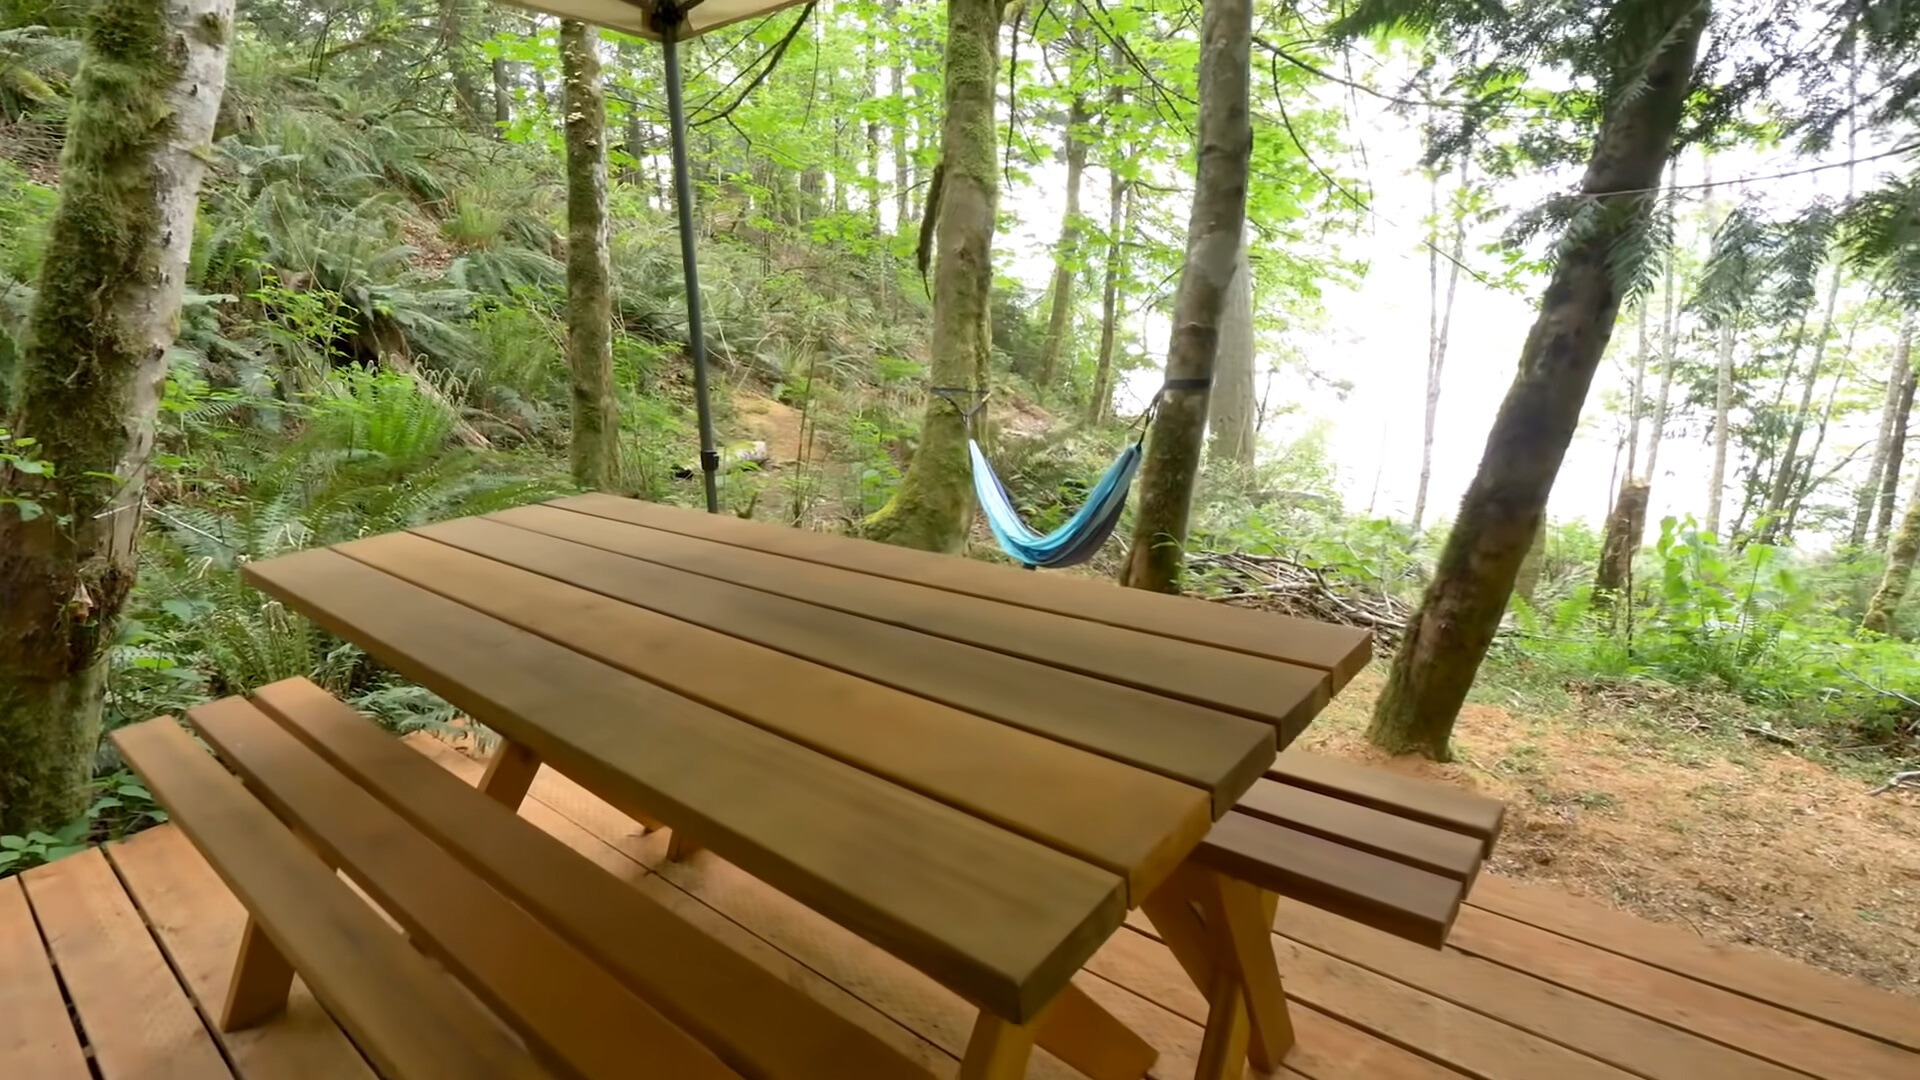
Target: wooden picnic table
<point x="978" y="769"/>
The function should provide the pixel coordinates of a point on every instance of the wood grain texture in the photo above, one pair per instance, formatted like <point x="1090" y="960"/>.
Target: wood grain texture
<point x="1201" y="746"/>
<point x="1284" y="695"/>
<point x="998" y="1050"/>
<point x="36" y="1040"/>
<point x="757" y="1023"/>
<point x="1810" y="992"/>
<point x="1379" y="892"/>
<point x="1140" y="828"/>
<point x="1436" y="804"/>
<point x="1378" y="832"/>
<point x="569" y="1008"/>
<point x="1080" y="1032"/>
<point x="1762" y="1030"/>
<point x="139" y="1023"/>
<point x="198" y="924"/>
<point x="1002" y="920"/>
<point x="403" y="1013"/>
<point x="510" y="771"/>
<point x="1339" y="650"/>
<point x="1635" y="1043"/>
<point x="261" y="981"/>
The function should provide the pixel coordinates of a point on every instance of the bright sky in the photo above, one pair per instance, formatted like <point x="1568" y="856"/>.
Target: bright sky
<point x="1375" y="336"/>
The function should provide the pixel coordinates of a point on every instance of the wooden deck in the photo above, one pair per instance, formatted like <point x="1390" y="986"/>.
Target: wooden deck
<point x="118" y="956"/>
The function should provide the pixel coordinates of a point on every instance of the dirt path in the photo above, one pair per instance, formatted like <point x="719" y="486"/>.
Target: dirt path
<point x="1742" y="843"/>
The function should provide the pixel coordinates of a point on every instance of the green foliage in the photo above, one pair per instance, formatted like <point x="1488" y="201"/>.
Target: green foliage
<point x="121" y="805"/>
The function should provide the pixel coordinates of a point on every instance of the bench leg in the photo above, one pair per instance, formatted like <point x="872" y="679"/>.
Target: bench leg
<point x="509" y="774"/>
<point x="1217" y="929"/>
<point x="998" y="1050"/>
<point x="262" y="978"/>
<point x="1081" y="1032"/>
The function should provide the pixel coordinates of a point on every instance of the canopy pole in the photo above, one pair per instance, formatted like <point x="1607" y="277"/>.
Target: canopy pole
<point x="668" y="19"/>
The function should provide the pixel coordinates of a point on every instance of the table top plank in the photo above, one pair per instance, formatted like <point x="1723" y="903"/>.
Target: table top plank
<point x="1216" y="751"/>
<point x="1285" y="695"/>
<point x="1001" y="920"/>
<point x="1140" y="828"/>
<point x="1341" y="651"/>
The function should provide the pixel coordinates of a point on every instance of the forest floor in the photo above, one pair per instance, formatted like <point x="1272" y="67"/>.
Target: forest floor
<point x="1740" y="840"/>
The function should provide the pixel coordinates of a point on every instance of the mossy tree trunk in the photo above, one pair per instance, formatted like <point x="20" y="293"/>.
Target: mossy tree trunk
<point x="502" y="97"/>
<point x="596" y="415"/>
<point x="1893" y="583"/>
<point x="1869" y="493"/>
<point x="90" y="380"/>
<point x="1505" y="505"/>
<point x="1213" y="244"/>
<point x="1624" y="528"/>
<point x="463" y="60"/>
<point x="1066" y="253"/>
<point x="1903" y="371"/>
<point x="1230" y="421"/>
<point x="1722" y="414"/>
<point x="935" y="499"/>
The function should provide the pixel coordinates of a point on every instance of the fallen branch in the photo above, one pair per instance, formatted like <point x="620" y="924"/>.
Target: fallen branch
<point x="1899" y="780"/>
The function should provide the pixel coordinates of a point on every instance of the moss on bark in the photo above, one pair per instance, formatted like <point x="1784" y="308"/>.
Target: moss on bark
<point x="596" y="415"/>
<point x="89" y="379"/>
<point x="1899" y="572"/>
<point x="935" y="499"/>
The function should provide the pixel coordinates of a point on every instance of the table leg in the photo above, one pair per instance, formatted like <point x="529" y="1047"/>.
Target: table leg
<point x="1081" y="1032"/>
<point x="1217" y="929"/>
<point x="998" y="1050"/>
<point x="261" y="980"/>
<point x="1240" y="917"/>
<point x="510" y="773"/>
<point x="679" y="848"/>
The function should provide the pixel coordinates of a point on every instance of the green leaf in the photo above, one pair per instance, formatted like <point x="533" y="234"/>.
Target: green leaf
<point x="13" y="843"/>
<point x="64" y="850"/>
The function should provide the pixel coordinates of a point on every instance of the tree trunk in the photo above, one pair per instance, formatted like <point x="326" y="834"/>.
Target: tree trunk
<point x="1669" y="333"/>
<point x="1230" y="429"/>
<point x="456" y="23"/>
<point x="596" y="415"/>
<point x="1842" y="374"/>
<point x="1869" y="494"/>
<point x="1783" y="475"/>
<point x="1624" y="526"/>
<point x="1439" y="329"/>
<point x="502" y="98"/>
<point x="1119" y="224"/>
<point x="1893" y="583"/>
<point x="1214" y="232"/>
<point x="1448" y="635"/>
<point x="1897" y="432"/>
<point x="931" y="508"/>
<point x="89" y="382"/>
<point x="1722" y="406"/>
<point x="1066" y="254"/>
<point x="1526" y="580"/>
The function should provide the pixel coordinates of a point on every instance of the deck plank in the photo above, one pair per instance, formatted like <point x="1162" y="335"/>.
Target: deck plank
<point x="1796" y="987"/>
<point x="1200" y="746"/>
<point x="198" y="923"/>
<point x="37" y="1040"/>
<point x="1340" y="650"/>
<point x="1761" y="1029"/>
<point x="136" y="1016"/>
<point x="1633" y="1042"/>
<point x="1018" y="780"/>
<point x="1284" y="695"/>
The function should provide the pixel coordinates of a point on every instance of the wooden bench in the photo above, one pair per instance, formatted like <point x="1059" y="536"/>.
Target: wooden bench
<point x="589" y="977"/>
<point x="1393" y="852"/>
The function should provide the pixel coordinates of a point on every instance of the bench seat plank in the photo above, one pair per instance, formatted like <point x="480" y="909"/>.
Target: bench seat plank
<point x="1140" y="828"/>
<point x="563" y="1003"/>
<point x="1002" y="920"/>
<point x="1426" y="847"/>
<point x="1210" y="749"/>
<point x="1284" y="695"/>
<point x="751" y="1017"/>
<point x="1436" y="804"/>
<point x="1366" y="888"/>
<point x="1341" y="651"/>
<point x="389" y="997"/>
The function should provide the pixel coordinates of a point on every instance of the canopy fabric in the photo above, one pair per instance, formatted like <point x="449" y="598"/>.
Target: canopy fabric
<point x="1070" y="544"/>
<point x="636" y="17"/>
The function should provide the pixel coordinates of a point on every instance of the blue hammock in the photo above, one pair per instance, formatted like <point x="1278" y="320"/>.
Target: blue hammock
<point x="1070" y="544"/>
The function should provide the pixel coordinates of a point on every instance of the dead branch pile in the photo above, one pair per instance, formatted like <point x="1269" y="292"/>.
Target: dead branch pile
<point x="1278" y="583"/>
